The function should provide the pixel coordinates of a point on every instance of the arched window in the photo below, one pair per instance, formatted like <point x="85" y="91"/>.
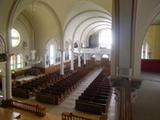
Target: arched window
<point x="52" y="50"/>
<point x="93" y="56"/>
<point x="105" y="38"/>
<point x="70" y="52"/>
<point x="19" y="61"/>
<point x="105" y="56"/>
<point x="58" y="56"/>
<point x="51" y="54"/>
<point x="67" y="50"/>
<point x="75" y="45"/>
<point x="15" y="37"/>
<point x="16" y="61"/>
<point x="13" y="62"/>
<point x="145" y="51"/>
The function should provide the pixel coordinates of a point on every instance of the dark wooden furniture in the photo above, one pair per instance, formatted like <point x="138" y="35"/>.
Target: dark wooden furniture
<point x="71" y="116"/>
<point x="95" y="99"/>
<point x="56" y="93"/>
<point x="19" y="73"/>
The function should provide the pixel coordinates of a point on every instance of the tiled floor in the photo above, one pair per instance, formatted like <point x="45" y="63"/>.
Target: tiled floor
<point x="146" y="106"/>
<point x="112" y="108"/>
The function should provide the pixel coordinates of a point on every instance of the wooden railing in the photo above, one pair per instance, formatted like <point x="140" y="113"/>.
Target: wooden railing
<point x="35" y="108"/>
<point x="70" y="116"/>
<point x="125" y="108"/>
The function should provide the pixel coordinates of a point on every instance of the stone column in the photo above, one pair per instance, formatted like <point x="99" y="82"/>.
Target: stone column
<point x="8" y="79"/>
<point x="62" y="63"/>
<point x="123" y="41"/>
<point x="84" y="58"/>
<point x="72" y="58"/>
<point x="3" y="75"/>
<point x="33" y="54"/>
<point x="79" y="60"/>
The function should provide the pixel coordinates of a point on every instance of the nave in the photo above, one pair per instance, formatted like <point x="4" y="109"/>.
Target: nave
<point x="68" y="104"/>
<point x="54" y="112"/>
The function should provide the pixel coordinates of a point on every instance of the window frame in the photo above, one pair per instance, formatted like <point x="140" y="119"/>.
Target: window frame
<point x="15" y="38"/>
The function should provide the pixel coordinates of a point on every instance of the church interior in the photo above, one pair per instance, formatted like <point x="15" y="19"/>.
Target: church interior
<point x="79" y="59"/>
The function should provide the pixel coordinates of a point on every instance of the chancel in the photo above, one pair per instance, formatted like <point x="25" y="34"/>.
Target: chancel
<point x="79" y="59"/>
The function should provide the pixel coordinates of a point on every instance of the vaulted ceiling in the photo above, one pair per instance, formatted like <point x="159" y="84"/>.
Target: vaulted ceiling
<point x="74" y="20"/>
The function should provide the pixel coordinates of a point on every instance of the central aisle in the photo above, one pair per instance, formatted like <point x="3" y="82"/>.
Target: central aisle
<point x="68" y="104"/>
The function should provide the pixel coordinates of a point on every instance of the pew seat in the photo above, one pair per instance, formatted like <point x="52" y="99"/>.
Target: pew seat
<point x="19" y="92"/>
<point x="90" y="107"/>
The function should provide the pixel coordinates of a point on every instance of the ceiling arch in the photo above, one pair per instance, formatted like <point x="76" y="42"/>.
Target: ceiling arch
<point x="53" y="12"/>
<point x="82" y="7"/>
<point x="91" y="31"/>
<point x="76" y="20"/>
<point x="82" y="18"/>
<point x="34" y="14"/>
<point x="86" y="12"/>
<point x="79" y="33"/>
<point x="89" y="21"/>
<point x="81" y="21"/>
<point x="91" y="27"/>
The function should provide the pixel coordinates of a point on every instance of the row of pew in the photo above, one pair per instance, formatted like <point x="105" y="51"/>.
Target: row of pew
<point x="28" y="71"/>
<point x="56" y="93"/>
<point x="96" y="97"/>
<point x="29" y="88"/>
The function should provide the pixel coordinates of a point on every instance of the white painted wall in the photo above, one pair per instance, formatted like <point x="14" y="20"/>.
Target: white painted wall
<point x="146" y="12"/>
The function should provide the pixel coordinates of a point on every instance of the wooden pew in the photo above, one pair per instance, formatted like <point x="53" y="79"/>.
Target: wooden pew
<point x="96" y="97"/>
<point x="34" y="108"/>
<point x="19" y="92"/>
<point x="61" y="89"/>
<point x="70" y="116"/>
<point x="90" y="107"/>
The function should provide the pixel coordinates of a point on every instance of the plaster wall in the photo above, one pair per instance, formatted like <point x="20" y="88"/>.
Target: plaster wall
<point x="153" y="39"/>
<point x="145" y="14"/>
